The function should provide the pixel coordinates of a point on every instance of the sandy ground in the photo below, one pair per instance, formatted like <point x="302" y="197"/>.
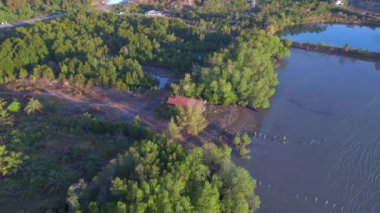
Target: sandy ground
<point x="112" y="105"/>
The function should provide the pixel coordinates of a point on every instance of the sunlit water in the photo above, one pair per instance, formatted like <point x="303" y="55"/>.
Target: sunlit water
<point x="319" y="146"/>
<point x="357" y="37"/>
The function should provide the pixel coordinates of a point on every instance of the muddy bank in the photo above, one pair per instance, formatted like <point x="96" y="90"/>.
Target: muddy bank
<point x="347" y="52"/>
<point x="224" y="123"/>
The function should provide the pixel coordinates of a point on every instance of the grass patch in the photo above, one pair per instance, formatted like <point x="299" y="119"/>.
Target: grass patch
<point x="59" y="150"/>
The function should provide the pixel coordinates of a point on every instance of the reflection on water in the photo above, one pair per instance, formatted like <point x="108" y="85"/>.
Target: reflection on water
<point x="328" y="109"/>
<point x="358" y="37"/>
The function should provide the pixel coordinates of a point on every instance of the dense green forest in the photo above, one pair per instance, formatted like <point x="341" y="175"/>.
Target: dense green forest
<point x="158" y="175"/>
<point x="225" y="53"/>
<point x="53" y="162"/>
<point x="104" y="50"/>
<point x="241" y="74"/>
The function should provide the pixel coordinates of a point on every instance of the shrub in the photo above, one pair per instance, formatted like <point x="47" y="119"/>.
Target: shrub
<point x="14" y="107"/>
<point x="51" y="106"/>
<point x="10" y="162"/>
<point x="33" y="107"/>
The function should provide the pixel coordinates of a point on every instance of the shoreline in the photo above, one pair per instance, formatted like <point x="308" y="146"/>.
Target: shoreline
<point x="341" y="51"/>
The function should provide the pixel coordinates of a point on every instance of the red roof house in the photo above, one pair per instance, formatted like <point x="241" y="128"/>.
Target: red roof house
<point x="185" y="101"/>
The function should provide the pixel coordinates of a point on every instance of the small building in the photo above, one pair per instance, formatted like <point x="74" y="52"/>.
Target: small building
<point x="339" y="2"/>
<point x="185" y="101"/>
<point x="253" y="3"/>
<point x="155" y="13"/>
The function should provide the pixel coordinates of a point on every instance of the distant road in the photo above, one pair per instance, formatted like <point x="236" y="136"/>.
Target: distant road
<point x="104" y="7"/>
<point x="44" y="18"/>
<point x="31" y="21"/>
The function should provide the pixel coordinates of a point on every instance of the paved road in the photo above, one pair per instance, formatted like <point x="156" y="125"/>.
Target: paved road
<point x="31" y="21"/>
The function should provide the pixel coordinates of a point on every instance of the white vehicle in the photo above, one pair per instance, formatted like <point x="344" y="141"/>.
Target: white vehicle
<point x="155" y="13"/>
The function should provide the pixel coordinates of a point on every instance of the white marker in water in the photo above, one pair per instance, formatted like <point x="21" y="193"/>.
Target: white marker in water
<point x="326" y="202"/>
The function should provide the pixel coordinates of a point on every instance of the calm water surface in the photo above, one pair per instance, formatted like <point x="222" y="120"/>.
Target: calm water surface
<point x="358" y="37"/>
<point x="328" y="109"/>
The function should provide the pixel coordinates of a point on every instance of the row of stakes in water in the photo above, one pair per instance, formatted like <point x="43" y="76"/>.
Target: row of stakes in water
<point x="284" y="140"/>
<point x="323" y="203"/>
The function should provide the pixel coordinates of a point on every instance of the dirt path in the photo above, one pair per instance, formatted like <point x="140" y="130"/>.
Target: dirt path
<point x="112" y="105"/>
<point x="106" y="104"/>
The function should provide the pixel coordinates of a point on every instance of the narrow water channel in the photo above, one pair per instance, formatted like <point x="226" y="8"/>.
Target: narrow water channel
<point x="319" y="145"/>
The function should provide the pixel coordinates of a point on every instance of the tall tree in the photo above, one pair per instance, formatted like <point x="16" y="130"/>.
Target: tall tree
<point x="191" y="119"/>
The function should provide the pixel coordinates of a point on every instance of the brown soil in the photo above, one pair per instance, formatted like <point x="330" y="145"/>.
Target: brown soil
<point x="224" y="123"/>
<point x="112" y="105"/>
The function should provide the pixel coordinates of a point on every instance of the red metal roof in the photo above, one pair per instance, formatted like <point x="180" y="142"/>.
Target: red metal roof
<point x="185" y="101"/>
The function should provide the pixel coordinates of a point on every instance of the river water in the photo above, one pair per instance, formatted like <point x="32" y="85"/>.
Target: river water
<point x="319" y="145"/>
<point x="357" y="37"/>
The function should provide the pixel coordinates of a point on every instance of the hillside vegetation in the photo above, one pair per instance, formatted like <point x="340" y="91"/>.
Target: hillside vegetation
<point x="11" y="10"/>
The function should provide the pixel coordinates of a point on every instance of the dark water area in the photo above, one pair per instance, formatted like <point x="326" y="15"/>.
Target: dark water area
<point x="357" y="37"/>
<point x="162" y="81"/>
<point x="319" y="145"/>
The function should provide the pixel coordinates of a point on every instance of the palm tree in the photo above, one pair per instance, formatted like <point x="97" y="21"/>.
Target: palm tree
<point x="33" y="107"/>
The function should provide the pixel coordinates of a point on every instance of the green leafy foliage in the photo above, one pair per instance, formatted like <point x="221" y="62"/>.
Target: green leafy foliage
<point x="241" y="142"/>
<point x="14" y="107"/>
<point x="191" y="119"/>
<point x="237" y="140"/>
<point x="158" y="175"/>
<point x="34" y="106"/>
<point x="103" y="50"/>
<point x="6" y="120"/>
<point x="173" y="129"/>
<point x="22" y="9"/>
<point x="10" y="162"/>
<point x="242" y="74"/>
<point x="275" y="15"/>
